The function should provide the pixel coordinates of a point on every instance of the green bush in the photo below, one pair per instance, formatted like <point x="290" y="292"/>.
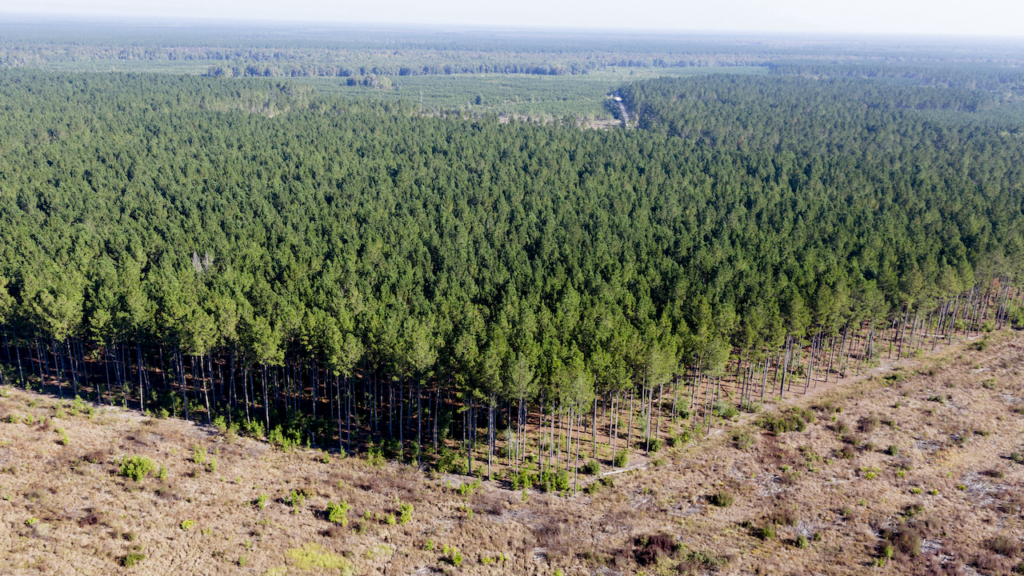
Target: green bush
<point x="725" y="410"/>
<point x="767" y="532"/>
<point x="743" y="439"/>
<point x="722" y="499"/>
<point x="801" y="541"/>
<point x="285" y="439"/>
<point x="621" y="459"/>
<point x="593" y="468"/>
<point x="655" y="444"/>
<point x="404" y="513"/>
<point x="187" y="525"/>
<point x="136" y="467"/>
<point x="793" y="420"/>
<point x="554" y="481"/>
<point x="338" y="514"/>
<point x="131" y="559"/>
<point x="893" y="450"/>
<point x="296" y="498"/>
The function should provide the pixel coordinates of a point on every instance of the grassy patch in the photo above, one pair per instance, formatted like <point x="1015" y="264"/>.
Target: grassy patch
<point x="314" y="557"/>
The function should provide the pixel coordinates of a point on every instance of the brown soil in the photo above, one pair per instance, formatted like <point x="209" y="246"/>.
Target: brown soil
<point x="948" y="501"/>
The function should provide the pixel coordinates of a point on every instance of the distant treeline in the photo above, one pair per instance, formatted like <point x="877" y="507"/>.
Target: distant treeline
<point x="998" y="79"/>
<point x="326" y="52"/>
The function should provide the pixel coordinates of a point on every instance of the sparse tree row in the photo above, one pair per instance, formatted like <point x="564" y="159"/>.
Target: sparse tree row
<point x="439" y="288"/>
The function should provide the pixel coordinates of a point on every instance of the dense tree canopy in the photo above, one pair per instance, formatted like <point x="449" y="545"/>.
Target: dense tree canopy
<point x="521" y="260"/>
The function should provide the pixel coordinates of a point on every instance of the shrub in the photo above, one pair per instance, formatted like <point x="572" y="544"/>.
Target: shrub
<point x="867" y="424"/>
<point x="621" y="459"/>
<point x="995" y="473"/>
<point x="338" y="514"/>
<point x="554" y="482"/>
<point x="261" y="501"/>
<point x="131" y="559"/>
<point x="801" y="541"/>
<point x="848" y="452"/>
<point x="296" y="498"/>
<point x="1017" y="457"/>
<point x="722" y="499"/>
<point x="724" y="410"/>
<point x="766" y="532"/>
<point x="198" y="454"/>
<point x="1004" y="545"/>
<point x="792" y="421"/>
<point x="655" y="444"/>
<point x="136" y="467"/>
<point x="187" y="525"/>
<point x="404" y="513"/>
<point x="785" y="516"/>
<point x="698" y="560"/>
<point x="906" y="541"/>
<point x="285" y="439"/>
<point x="743" y="439"/>
<point x="467" y="488"/>
<point x="593" y="468"/>
<point x="893" y="450"/>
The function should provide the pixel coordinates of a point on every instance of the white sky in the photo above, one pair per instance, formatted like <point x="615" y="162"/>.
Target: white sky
<point x="943" y="17"/>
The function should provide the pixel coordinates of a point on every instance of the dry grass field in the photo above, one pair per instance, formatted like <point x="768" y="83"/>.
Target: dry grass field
<point x="913" y="469"/>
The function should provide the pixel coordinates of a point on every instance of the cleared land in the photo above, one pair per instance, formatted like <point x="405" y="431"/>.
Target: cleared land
<point x="920" y="462"/>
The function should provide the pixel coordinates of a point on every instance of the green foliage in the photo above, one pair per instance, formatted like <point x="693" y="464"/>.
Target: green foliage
<point x="375" y="456"/>
<point x="335" y="233"/>
<point x="261" y="501"/>
<point x="63" y="440"/>
<point x="725" y="410"/>
<point x="722" y="499"/>
<point x="198" y="455"/>
<point x="337" y="513"/>
<point x="314" y="557"/>
<point x="467" y="488"/>
<point x="593" y="467"/>
<point x="285" y="438"/>
<point x="187" y="525"/>
<point x="131" y="559"/>
<point x="792" y="420"/>
<point x="621" y="459"/>
<point x="404" y="513"/>
<point x="136" y="467"/>
<point x="743" y="439"/>
<point x="295" y="499"/>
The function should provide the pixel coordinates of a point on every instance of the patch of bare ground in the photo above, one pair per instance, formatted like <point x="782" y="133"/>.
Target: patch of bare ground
<point x="914" y="469"/>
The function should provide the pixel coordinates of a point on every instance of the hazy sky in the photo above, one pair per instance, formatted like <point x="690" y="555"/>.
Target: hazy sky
<point x="956" y="17"/>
